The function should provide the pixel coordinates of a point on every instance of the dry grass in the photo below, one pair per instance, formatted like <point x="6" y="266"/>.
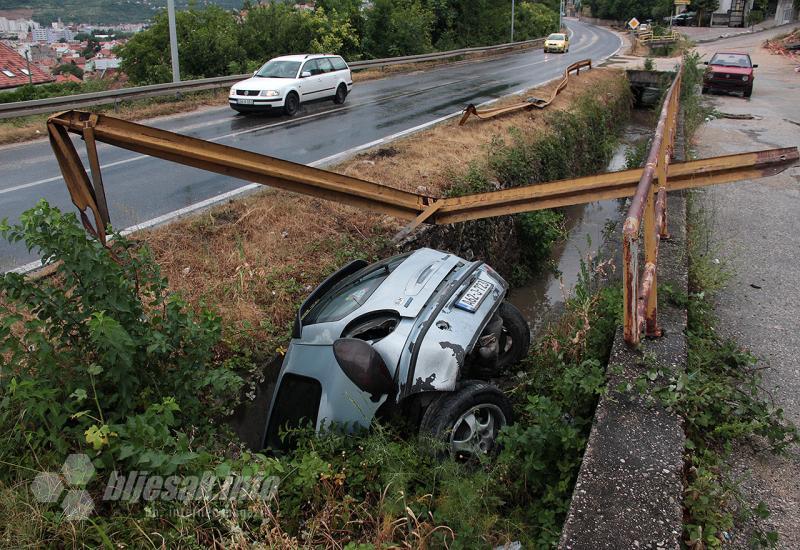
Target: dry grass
<point x="255" y="258"/>
<point x="426" y="161"/>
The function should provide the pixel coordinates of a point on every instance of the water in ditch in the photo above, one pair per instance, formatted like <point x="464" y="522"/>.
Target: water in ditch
<point x="587" y="227"/>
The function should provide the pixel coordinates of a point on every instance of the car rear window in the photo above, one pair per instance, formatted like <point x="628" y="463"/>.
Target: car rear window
<point x="731" y="60"/>
<point x="352" y="293"/>
<point x="338" y="63"/>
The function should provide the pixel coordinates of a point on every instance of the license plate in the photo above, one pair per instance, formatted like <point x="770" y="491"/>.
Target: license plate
<point x="471" y="299"/>
<point x="244" y="101"/>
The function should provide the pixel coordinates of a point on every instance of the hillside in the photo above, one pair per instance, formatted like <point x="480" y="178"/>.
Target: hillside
<point x="101" y="12"/>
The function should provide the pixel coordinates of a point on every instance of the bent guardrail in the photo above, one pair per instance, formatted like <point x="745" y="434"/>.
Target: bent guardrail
<point x="78" y="101"/>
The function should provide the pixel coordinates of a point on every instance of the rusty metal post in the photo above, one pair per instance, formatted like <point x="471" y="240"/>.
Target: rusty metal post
<point x="650" y="257"/>
<point x="630" y="280"/>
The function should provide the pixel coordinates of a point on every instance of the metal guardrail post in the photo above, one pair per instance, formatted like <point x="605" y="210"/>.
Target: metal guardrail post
<point x="648" y="208"/>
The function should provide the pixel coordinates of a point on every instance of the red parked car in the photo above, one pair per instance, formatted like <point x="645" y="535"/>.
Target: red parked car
<point x="730" y="72"/>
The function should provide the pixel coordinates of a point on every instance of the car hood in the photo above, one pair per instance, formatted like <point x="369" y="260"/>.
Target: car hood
<point x="729" y="70"/>
<point x="261" y="83"/>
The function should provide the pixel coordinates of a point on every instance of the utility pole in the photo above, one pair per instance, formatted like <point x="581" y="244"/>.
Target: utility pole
<point x="560" y="13"/>
<point x="512" y="20"/>
<point x="28" y="63"/>
<point x="173" y="41"/>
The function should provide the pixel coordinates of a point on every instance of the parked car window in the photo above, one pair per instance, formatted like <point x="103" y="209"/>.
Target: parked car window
<point x="731" y="60"/>
<point x="343" y="299"/>
<point x="338" y="63"/>
<point x="279" y="69"/>
<point x="312" y="67"/>
<point x="325" y="65"/>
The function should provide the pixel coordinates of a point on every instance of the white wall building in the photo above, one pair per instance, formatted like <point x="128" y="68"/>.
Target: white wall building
<point x="17" y="25"/>
<point x="785" y="12"/>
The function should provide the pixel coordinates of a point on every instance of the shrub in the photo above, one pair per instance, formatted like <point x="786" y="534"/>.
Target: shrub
<point x="101" y="357"/>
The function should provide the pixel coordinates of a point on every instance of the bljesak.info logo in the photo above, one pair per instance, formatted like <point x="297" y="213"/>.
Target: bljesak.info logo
<point x="67" y="488"/>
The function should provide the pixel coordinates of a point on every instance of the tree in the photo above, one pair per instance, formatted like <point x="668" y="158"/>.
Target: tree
<point x="397" y="27"/>
<point x="703" y="8"/>
<point x="92" y="47"/>
<point x="207" y="44"/>
<point x="533" y="20"/>
<point x="69" y="68"/>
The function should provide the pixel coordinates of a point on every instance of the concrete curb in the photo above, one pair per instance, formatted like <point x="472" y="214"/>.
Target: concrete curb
<point x="742" y="33"/>
<point x="629" y="490"/>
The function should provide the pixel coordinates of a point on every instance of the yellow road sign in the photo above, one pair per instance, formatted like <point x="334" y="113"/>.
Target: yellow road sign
<point x="633" y="23"/>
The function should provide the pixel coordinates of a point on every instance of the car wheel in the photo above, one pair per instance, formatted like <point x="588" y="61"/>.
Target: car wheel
<point x="515" y="337"/>
<point x="341" y="94"/>
<point x="704" y="90"/>
<point x="292" y="104"/>
<point x="466" y="422"/>
<point x="748" y="91"/>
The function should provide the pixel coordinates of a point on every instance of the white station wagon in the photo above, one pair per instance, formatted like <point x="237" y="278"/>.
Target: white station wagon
<point x="286" y="82"/>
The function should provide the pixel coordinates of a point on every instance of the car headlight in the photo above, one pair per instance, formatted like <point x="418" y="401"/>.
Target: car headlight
<point x="268" y="93"/>
<point x="233" y="91"/>
<point x="745" y="78"/>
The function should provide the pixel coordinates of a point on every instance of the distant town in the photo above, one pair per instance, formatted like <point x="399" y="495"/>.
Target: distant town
<point x="32" y="53"/>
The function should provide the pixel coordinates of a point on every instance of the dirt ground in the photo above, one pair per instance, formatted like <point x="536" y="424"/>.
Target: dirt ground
<point x="755" y="230"/>
<point x="254" y="257"/>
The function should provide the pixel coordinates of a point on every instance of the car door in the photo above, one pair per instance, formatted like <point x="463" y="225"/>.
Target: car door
<point x="311" y="86"/>
<point x="329" y="77"/>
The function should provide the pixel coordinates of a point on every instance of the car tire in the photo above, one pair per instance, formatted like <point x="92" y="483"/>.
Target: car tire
<point x="464" y="423"/>
<point x="515" y="339"/>
<point x="704" y="90"/>
<point x="292" y="104"/>
<point x="341" y="94"/>
<point x="748" y="91"/>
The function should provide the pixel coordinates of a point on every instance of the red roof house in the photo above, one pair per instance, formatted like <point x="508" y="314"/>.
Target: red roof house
<point x="14" y="70"/>
<point x="67" y="78"/>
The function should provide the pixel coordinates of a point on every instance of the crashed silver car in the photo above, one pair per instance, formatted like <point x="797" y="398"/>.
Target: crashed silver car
<point x="415" y="336"/>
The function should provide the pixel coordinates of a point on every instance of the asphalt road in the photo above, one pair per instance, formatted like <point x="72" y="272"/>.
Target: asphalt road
<point x="141" y="188"/>
<point x="754" y="234"/>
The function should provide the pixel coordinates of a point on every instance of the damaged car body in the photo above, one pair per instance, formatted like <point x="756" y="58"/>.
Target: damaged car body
<point x="415" y="335"/>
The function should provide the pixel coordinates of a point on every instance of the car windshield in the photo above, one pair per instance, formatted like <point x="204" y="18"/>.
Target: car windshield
<point x="556" y="37"/>
<point x="349" y="295"/>
<point x="279" y="69"/>
<point x="731" y="60"/>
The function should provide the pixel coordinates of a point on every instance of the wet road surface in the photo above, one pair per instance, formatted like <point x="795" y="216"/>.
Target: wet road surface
<point x="141" y="188"/>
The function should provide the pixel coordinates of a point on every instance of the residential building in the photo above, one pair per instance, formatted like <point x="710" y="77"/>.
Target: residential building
<point x="15" y="70"/>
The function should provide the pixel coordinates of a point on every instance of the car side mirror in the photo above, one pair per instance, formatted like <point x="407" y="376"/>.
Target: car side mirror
<point x="705" y="62"/>
<point x="756" y="65"/>
<point x="363" y="366"/>
<point x="305" y="74"/>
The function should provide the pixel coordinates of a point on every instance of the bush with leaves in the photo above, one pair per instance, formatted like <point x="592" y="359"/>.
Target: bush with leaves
<point x="101" y="357"/>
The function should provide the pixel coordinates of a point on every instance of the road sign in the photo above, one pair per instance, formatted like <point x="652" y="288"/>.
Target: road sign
<point x="633" y="23"/>
<point x="682" y="2"/>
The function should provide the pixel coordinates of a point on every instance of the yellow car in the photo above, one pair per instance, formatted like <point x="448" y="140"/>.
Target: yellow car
<point x="556" y="42"/>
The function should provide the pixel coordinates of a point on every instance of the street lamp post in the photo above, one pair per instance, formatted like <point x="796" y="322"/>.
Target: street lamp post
<point x="173" y="41"/>
<point x="512" y="20"/>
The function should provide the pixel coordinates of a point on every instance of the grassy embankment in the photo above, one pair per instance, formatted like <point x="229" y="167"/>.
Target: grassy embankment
<point x="106" y="360"/>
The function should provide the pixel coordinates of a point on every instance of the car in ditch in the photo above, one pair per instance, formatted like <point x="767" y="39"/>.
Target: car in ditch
<point x="287" y="82"/>
<point x="556" y="42"/>
<point x="729" y="72"/>
<point x="416" y="336"/>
